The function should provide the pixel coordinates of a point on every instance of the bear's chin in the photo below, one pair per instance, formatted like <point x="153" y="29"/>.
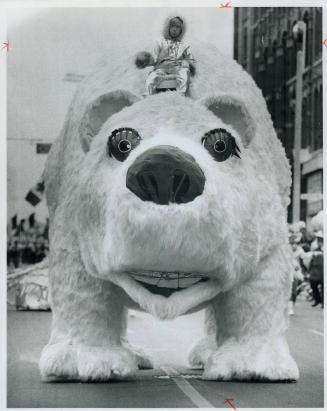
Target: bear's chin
<point x="165" y="298"/>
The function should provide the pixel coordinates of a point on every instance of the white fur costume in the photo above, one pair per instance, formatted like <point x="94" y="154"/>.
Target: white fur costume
<point x="235" y="233"/>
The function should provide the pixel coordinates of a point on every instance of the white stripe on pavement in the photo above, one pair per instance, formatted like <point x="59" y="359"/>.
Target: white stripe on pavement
<point x="316" y="332"/>
<point x="187" y="388"/>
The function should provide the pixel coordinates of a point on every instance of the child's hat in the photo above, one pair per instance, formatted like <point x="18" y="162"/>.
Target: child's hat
<point x="177" y="20"/>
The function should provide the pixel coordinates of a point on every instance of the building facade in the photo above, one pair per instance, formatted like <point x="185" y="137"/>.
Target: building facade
<point x="264" y="44"/>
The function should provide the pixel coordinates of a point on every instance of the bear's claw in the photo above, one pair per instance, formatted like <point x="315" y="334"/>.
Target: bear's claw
<point x="58" y="362"/>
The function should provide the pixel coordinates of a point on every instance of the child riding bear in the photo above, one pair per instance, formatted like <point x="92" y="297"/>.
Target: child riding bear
<point x="171" y="57"/>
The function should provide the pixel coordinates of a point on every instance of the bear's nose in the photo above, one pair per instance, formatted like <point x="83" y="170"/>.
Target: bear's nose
<point x="165" y="174"/>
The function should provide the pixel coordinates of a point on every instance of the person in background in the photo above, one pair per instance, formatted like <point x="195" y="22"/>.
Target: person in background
<point x="40" y="252"/>
<point x="16" y="250"/>
<point x="305" y="239"/>
<point x="297" y="272"/>
<point x="27" y="245"/>
<point x="316" y="271"/>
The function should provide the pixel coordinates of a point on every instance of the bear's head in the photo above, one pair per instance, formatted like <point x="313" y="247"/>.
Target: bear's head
<point x="177" y="199"/>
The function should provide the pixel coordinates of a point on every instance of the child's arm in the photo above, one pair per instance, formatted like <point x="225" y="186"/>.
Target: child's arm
<point x="187" y="58"/>
<point x="156" y="51"/>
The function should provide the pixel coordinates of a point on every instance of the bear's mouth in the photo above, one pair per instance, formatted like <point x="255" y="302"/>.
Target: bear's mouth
<point x="166" y="283"/>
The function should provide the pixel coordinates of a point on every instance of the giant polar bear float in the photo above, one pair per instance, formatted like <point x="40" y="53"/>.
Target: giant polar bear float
<point x="151" y="207"/>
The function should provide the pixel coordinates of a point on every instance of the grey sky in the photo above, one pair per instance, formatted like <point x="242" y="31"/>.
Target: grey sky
<point x="48" y="43"/>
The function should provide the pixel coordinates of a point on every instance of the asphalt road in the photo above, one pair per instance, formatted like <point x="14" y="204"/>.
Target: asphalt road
<point x="171" y="384"/>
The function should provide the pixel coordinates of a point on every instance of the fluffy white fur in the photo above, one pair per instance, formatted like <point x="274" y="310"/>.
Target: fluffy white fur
<point x="235" y="233"/>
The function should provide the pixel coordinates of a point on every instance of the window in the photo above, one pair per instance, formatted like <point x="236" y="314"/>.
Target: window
<point x="308" y="42"/>
<point x="43" y="148"/>
<point x="245" y="47"/>
<point x="318" y="32"/>
<point x="306" y="117"/>
<point x="317" y="143"/>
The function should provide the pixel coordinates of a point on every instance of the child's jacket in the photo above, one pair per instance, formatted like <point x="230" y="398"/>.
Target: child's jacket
<point x="170" y="53"/>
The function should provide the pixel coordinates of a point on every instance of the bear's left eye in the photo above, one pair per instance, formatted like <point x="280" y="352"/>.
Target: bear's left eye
<point x="121" y="142"/>
<point x="220" y="144"/>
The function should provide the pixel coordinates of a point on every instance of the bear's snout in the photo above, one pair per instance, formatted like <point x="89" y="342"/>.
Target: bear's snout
<point x="165" y="174"/>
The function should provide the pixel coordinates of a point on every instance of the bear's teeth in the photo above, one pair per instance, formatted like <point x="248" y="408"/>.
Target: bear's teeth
<point x="167" y="280"/>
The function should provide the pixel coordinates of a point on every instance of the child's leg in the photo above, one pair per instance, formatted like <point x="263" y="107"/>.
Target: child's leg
<point x="182" y="76"/>
<point x="153" y="80"/>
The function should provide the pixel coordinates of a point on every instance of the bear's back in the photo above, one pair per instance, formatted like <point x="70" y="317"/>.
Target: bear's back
<point x="215" y="74"/>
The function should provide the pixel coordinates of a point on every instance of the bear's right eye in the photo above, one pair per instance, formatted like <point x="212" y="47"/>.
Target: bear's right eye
<point x="121" y="142"/>
<point x="220" y="144"/>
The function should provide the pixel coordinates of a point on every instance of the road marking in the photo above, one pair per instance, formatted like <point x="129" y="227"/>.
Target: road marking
<point x="187" y="388"/>
<point x="316" y="332"/>
<point x="229" y="402"/>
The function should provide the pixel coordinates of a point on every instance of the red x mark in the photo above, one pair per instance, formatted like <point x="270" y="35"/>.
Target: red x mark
<point x="5" y="45"/>
<point x="225" y="6"/>
<point x="324" y="42"/>
<point x="229" y="402"/>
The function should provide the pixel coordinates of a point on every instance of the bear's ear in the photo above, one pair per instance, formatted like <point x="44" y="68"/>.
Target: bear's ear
<point x="98" y="112"/>
<point x="233" y="112"/>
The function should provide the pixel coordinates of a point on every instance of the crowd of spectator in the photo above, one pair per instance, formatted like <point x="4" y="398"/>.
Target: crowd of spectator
<point x="308" y="263"/>
<point x="27" y="243"/>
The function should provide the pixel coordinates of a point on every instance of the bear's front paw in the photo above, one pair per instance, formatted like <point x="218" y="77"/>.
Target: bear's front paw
<point x="86" y="363"/>
<point x="269" y="362"/>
